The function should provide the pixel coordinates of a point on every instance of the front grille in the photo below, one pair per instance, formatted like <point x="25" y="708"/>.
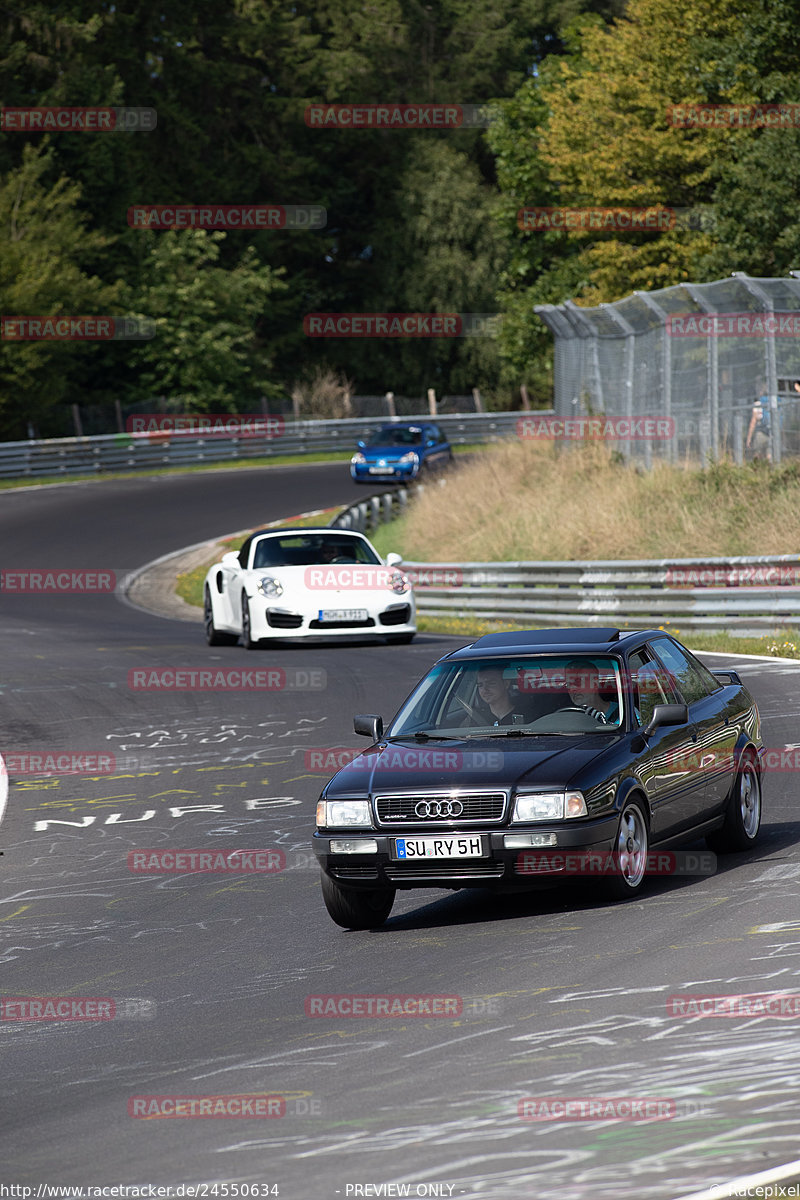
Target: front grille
<point x="282" y="620"/>
<point x="341" y="624"/>
<point x="477" y="808"/>
<point x="444" y="870"/>
<point x="396" y="616"/>
<point x="367" y="872"/>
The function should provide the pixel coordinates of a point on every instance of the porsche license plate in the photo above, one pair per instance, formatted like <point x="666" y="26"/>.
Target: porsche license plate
<point x="333" y="615"/>
<point x="439" y="847"/>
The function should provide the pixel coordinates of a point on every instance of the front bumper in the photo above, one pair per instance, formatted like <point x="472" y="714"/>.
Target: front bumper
<point x="270" y="620"/>
<point x="361" y="473"/>
<point x="522" y="868"/>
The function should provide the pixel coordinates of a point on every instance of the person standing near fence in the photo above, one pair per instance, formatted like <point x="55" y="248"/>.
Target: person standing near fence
<point x="759" y="432"/>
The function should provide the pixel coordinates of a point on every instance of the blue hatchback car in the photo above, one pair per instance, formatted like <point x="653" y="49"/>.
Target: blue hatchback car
<point x="400" y="451"/>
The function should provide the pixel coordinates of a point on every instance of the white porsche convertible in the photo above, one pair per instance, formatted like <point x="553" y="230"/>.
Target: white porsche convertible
<point x="307" y="583"/>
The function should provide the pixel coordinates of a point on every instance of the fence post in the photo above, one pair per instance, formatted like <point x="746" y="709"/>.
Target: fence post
<point x="476" y="396"/>
<point x="118" y="411"/>
<point x="738" y="439"/>
<point x="432" y="402"/>
<point x="76" y="420"/>
<point x="704" y="435"/>
<point x="390" y="407"/>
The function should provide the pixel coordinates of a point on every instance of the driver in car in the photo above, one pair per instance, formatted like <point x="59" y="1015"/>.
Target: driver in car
<point x="587" y="693"/>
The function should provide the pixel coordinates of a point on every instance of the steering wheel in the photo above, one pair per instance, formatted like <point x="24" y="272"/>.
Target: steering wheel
<point x="469" y="710"/>
<point x="341" y="560"/>
<point x="572" y="708"/>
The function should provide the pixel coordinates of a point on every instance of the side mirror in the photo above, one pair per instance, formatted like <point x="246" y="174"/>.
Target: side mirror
<point x="667" y="714"/>
<point x="368" y="726"/>
<point x="231" y="558"/>
<point x="393" y="560"/>
<point x="361" y="445"/>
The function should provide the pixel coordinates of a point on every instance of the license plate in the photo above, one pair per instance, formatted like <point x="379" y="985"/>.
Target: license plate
<point x="381" y="470"/>
<point x="439" y="847"/>
<point x="333" y="615"/>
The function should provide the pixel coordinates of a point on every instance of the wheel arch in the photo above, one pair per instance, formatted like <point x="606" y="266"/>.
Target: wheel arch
<point x="632" y="788"/>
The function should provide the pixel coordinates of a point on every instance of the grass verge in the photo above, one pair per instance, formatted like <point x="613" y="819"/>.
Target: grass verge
<point x="784" y="643"/>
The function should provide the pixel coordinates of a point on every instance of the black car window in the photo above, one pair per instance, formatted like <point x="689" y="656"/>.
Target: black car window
<point x="692" y="678"/>
<point x="312" y="550"/>
<point x="541" y="694"/>
<point x="244" y="554"/>
<point x="652" y="684"/>
<point x="396" y="437"/>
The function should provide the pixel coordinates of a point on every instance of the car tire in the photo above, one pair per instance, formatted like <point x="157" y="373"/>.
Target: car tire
<point x="247" y="636"/>
<point x="357" y="908"/>
<point x="213" y="635"/>
<point x="743" y="813"/>
<point x="399" y="639"/>
<point x="630" y="853"/>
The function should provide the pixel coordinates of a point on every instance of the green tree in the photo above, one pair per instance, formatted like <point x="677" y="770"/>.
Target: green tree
<point x="207" y="349"/>
<point x="46" y="249"/>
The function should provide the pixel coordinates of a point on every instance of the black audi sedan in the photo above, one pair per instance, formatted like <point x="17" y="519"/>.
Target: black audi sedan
<point x="540" y="756"/>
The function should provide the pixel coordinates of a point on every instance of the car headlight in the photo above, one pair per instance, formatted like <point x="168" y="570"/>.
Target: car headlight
<point x="399" y="583"/>
<point x="357" y="459"/>
<point x="337" y="814"/>
<point x="548" y="806"/>
<point x="269" y="586"/>
<point x="411" y="457"/>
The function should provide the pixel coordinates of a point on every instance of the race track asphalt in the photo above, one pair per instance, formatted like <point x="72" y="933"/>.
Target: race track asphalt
<point x="562" y="995"/>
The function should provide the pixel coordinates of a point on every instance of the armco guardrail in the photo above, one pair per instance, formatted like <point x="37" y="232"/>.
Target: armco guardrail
<point x="131" y="452"/>
<point x="376" y="510"/>
<point x="743" y="595"/>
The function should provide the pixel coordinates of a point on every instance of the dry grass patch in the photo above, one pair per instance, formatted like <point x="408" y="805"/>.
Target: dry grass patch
<point x="529" y="501"/>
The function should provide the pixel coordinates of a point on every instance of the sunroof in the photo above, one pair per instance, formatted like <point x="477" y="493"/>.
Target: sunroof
<point x="548" y="637"/>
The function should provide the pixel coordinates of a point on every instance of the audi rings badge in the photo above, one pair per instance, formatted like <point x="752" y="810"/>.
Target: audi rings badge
<point x="439" y="808"/>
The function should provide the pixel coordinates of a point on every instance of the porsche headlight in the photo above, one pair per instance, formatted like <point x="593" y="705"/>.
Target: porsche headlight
<point x="268" y="586"/>
<point x="398" y="583"/>
<point x="411" y="457"/>
<point x="548" y="806"/>
<point x="338" y="814"/>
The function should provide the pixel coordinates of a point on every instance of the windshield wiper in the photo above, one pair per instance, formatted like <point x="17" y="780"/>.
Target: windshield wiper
<point x="421" y="737"/>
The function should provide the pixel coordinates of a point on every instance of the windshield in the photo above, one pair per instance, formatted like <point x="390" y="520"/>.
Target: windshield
<point x="396" y="437"/>
<point x="534" y="694"/>
<point x="305" y="551"/>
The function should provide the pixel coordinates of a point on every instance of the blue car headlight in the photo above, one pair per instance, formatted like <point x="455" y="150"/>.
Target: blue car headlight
<point x="411" y="458"/>
<point x="357" y="460"/>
